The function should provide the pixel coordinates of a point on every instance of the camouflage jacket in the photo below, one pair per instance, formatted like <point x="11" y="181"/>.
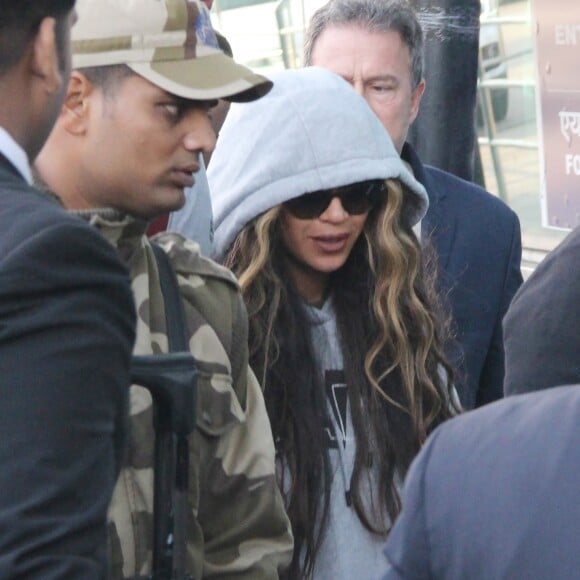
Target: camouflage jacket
<point x="238" y="526"/>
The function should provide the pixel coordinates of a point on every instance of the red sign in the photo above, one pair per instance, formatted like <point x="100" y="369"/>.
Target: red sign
<point x="558" y="60"/>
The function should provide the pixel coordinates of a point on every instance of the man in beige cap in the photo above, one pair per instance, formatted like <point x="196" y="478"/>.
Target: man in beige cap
<point x="126" y="144"/>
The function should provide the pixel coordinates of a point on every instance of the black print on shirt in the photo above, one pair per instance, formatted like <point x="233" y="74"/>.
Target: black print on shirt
<point x="337" y="395"/>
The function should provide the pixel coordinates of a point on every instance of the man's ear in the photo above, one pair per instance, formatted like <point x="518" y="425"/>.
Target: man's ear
<point x="416" y="99"/>
<point x="44" y="62"/>
<point x="76" y="106"/>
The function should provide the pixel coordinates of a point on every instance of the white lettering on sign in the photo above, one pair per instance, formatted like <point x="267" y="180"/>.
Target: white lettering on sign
<point x="572" y="164"/>
<point x="569" y="124"/>
<point x="567" y="34"/>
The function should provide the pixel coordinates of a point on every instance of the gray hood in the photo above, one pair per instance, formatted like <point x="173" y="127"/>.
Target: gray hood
<point x="311" y="132"/>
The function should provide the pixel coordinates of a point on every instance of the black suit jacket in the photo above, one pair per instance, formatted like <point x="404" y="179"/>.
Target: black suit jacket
<point x="66" y="335"/>
<point x="477" y="240"/>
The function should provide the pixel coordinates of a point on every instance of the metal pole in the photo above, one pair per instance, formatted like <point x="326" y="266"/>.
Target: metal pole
<point x="444" y="132"/>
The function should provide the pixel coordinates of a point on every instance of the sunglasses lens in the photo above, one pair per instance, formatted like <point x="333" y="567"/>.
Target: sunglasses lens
<point x="309" y="206"/>
<point x="356" y="199"/>
<point x="361" y="197"/>
<point x="356" y="203"/>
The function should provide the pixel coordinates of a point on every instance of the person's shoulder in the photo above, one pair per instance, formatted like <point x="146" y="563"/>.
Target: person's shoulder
<point x="213" y="292"/>
<point x="210" y="288"/>
<point x="187" y="260"/>
<point x="512" y="421"/>
<point x="28" y="210"/>
<point x="33" y="224"/>
<point x="468" y="196"/>
<point x="554" y="275"/>
<point x="213" y="300"/>
<point x="470" y="476"/>
<point x="562" y="264"/>
<point x="569" y="246"/>
<point x="510" y="436"/>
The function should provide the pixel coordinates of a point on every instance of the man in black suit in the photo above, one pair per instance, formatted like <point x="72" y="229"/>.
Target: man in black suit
<point x="377" y="46"/>
<point x="493" y="495"/>
<point x="66" y="328"/>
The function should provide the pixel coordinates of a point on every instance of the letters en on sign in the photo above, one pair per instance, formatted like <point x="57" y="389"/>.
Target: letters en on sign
<point x="557" y="24"/>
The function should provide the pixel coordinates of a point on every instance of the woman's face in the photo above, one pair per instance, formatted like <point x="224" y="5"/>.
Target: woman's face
<point x="318" y="246"/>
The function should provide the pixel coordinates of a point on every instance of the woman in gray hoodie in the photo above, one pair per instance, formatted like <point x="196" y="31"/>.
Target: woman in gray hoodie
<point x="314" y="213"/>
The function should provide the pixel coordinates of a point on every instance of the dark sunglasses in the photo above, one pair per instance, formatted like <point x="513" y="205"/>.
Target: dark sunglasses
<point x="356" y="199"/>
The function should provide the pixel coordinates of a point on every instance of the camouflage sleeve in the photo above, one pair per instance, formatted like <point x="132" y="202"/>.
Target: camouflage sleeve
<point x="241" y="512"/>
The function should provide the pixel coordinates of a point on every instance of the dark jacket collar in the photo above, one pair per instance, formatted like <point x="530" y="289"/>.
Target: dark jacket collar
<point x="409" y="155"/>
<point x="7" y="166"/>
<point x="440" y="228"/>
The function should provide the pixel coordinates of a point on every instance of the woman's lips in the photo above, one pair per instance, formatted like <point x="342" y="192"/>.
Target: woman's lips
<point x="331" y="244"/>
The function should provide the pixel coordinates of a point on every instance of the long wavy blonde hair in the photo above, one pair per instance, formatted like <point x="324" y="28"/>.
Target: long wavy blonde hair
<point x="399" y="381"/>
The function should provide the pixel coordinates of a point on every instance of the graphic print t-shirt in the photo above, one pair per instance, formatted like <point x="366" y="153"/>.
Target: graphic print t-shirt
<point x="349" y="550"/>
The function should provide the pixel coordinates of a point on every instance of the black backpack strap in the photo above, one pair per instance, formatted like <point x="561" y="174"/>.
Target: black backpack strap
<point x="174" y="313"/>
<point x="171" y="379"/>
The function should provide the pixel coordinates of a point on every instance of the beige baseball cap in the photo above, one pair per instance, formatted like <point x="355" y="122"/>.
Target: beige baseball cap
<point x="171" y="43"/>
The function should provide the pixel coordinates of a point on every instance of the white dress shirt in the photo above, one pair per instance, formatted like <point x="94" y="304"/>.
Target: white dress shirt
<point x="15" y="154"/>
